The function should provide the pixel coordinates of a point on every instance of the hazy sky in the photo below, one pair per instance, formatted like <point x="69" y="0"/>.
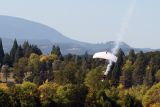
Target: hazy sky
<point x="92" y="21"/>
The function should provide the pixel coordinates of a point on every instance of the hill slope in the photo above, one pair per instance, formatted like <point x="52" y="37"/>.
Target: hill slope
<point x="45" y="37"/>
<point x="12" y="27"/>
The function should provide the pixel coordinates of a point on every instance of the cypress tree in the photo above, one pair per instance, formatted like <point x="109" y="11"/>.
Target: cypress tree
<point x="13" y="50"/>
<point x="7" y="60"/>
<point x="19" y="54"/>
<point x="36" y="50"/>
<point x="139" y="69"/>
<point x="150" y="72"/>
<point x="56" y="50"/>
<point x="1" y="52"/>
<point x="27" y="49"/>
<point x="116" y="72"/>
<point x="126" y="78"/>
<point x="27" y="52"/>
<point x="25" y="45"/>
<point x="53" y="51"/>
<point x="132" y="56"/>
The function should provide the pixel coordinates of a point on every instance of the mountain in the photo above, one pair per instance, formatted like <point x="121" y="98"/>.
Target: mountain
<point x="46" y="46"/>
<point x="44" y="37"/>
<point x="12" y="27"/>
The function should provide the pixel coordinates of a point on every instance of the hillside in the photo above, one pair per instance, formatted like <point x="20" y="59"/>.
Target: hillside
<point x="45" y="37"/>
<point x="12" y="27"/>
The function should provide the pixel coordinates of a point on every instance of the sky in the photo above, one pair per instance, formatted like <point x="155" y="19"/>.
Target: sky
<point x="93" y="21"/>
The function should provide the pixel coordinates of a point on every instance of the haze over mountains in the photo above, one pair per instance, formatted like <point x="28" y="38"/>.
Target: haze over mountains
<point x="45" y="37"/>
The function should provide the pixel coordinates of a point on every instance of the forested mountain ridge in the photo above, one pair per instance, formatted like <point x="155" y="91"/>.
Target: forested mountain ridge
<point x="73" y="48"/>
<point x="75" y="80"/>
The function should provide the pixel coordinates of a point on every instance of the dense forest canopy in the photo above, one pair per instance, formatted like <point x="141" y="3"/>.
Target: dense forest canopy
<point x="31" y="79"/>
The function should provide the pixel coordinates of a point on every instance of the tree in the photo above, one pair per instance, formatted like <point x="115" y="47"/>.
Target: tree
<point x="132" y="56"/>
<point x="20" y="68"/>
<point x="1" y="52"/>
<point x="52" y="57"/>
<point x="47" y="93"/>
<point x="149" y="76"/>
<point x="130" y="101"/>
<point x="93" y="79"/>
<point x="34" y="62"/>
<point x="7" y="60"/>
<point x="5" y="70"/>
<point x="116" y="72"/>
<point x="102" y="99"/>
<point x="34" y="68"/>
<point x="139" y="69"/>
<point x="27" y="49"/>
<point x="27" y="95"/>
<point x="43" y="72"/>
<point x="150" y="72"/>
<point x="56" y="50"/>
<point x="157" y="75"/>
<point x="85" y="61"/>
<point x="152" y="96"/>
<point x="25" y="45"/>
<point x="36" y="50"/>
<point x="126" y="78"/>
<point x="13" y="50"/>
<point x="19" y="54"/>
<point x="137" y="91"/>
<point x="67" y="74"/>
<point x="4" y="99"/>
<point x="71" y="95"/>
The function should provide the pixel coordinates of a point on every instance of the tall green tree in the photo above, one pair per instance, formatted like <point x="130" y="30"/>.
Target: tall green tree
<point x="35" y="49"/>
<point x="157" y="75"/>
<point x="13" y="50"/>
<point x="102" y="100"/>
<point x="19" y="54"/>
<point x="56" y="50"/>
<point x="126" y="78"/>
<point x="132" y="56"/>
<point x="116" y="72"/>
<point x="149" y="78"/>
<point x="70" y="95"/>
<point x="93" y="79"/>
<point x="25" y="45"/>
<point x="130" y="101"/>
<point x="152" y="97"/>
<point x="86" y="62"/>
<point x="43" y="72"/>
<point x="27" y="49"/>
<point x="20" y="69"/>
<point x="7" y="60"/>
<point x="139" y="69"/>
<point x="66" y="75"/>
<point x="34" y="65"/>
<point x="1" y="52"/>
